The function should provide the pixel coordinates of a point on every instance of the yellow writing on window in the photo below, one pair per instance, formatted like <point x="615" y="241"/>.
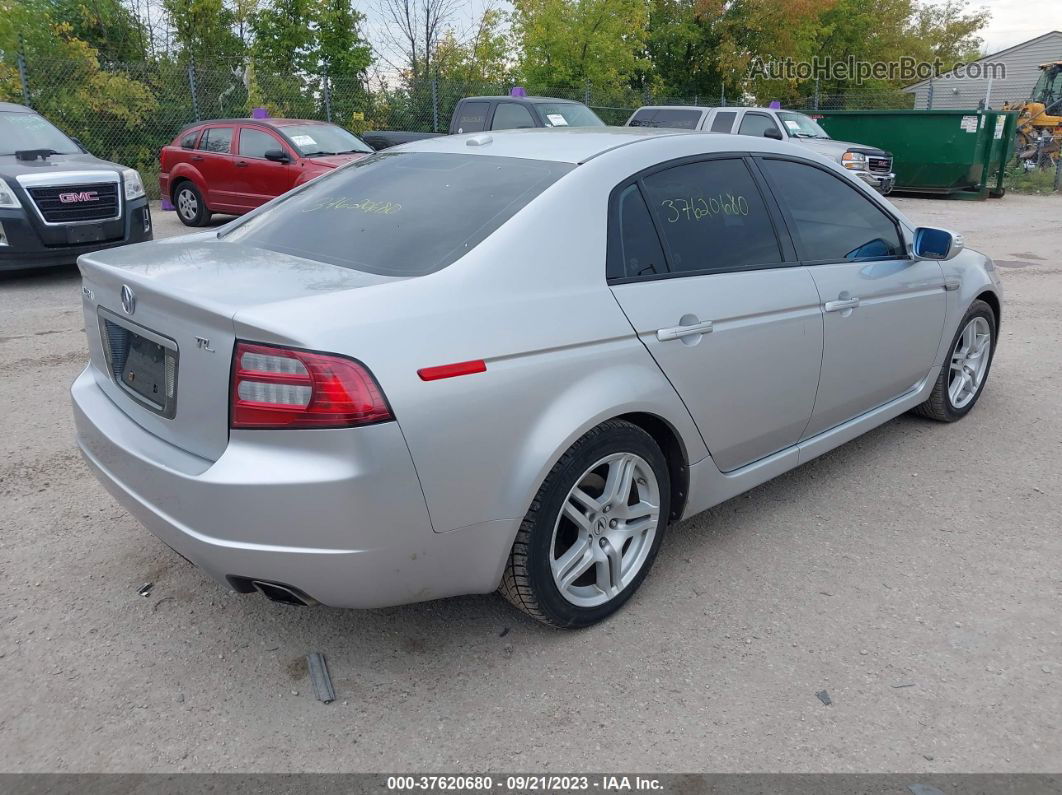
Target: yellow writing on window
<point x="369" y="206"/>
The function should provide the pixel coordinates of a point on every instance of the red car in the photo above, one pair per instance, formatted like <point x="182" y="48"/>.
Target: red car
<point x="234" y="165"/>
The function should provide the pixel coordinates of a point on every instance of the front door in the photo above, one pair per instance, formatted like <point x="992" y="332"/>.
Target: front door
<point x="258" y="180"/>
<point x="883" y="311"/>
<point x="696" y="264"/>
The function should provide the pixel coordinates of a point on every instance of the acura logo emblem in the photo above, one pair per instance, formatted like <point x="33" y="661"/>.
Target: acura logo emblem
<point x="128" y="299"/>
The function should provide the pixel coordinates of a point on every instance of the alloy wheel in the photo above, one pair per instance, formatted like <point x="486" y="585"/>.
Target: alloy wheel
<point x="187" y="204"/>
<point x="605" y="529"/>
<point x="969" y="362"/>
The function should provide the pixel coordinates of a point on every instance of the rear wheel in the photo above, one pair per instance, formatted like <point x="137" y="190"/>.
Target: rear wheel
<point x="191" y="208"/>
<point x="963" y="377"/>
<point x="593" y="529"/>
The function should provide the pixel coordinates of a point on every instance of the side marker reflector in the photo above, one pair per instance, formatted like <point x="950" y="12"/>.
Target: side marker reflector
<point x="452" y="370"/>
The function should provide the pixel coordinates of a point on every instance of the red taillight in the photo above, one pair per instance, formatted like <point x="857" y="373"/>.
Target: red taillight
<point x="275" y="387"/>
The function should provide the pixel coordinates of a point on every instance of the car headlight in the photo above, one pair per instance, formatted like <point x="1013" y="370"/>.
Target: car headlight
<point x="854" y="160"/>
<point x="134" y="186"/>
<point x="8" y="199"/>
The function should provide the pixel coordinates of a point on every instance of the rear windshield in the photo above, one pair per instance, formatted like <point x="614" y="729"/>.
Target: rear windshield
<point x="399" y="213"/>
<point x="667" y="117"/>
<point x="567" y="114"/>
<point x="21" y="131"/>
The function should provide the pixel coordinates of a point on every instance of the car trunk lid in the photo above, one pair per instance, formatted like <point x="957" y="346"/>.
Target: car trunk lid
<point x="159" y="321"/>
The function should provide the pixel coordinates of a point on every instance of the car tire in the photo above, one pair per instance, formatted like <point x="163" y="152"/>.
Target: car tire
<point x="580" y="553"/>
<point x="190" y="205"/>
<point x="965" y="372"/>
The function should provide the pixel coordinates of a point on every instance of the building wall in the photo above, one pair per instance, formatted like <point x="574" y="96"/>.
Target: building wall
<point x="1023" y="70"/>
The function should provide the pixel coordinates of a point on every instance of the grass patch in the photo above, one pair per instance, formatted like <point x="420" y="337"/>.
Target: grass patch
<point x="1018" y="180"/>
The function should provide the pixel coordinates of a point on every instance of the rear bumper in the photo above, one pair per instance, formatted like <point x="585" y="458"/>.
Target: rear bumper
<point x="344" y="522"/>
<point x="27" y="249"/>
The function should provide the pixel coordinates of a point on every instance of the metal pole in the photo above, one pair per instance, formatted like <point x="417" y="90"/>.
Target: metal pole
<point x="815" y="103"/>
<point x="988" y="94"/>
<point x="327" y="94"/>
<point x="722" y="97"/>
<point x="191" y="87"/>
<point x="929" y="96"/>
<point x="22" y="75"/>
<point x="1058" y="173"/>
<point x="586" y="93"/>
<point x="435" y="104"/>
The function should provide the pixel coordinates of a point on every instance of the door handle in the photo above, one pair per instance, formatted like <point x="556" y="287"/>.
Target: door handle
<point x="841" y="305"/>
<point x="678" y="332"/>
<point x="241" y="164"/>
<point x="196" y="158"/>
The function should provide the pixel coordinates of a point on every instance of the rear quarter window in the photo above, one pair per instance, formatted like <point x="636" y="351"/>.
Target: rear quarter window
<point x="399" y="213"/>
<point x="472" y="117"/>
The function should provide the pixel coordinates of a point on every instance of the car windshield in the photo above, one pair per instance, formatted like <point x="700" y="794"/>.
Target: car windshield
<point x="324" y="139"/>
<point x="399" y="213"/>
<point x="567" y="114"/>
<point x="800" y="126"/>
<point x="21" y="131"/>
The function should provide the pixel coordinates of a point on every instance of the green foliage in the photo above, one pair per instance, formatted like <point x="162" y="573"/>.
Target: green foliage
<point x="565" y="43"/>
<point x="203" y="29"/>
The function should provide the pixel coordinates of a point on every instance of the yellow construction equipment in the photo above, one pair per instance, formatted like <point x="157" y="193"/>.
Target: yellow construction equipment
<point x="1040" y="118"/>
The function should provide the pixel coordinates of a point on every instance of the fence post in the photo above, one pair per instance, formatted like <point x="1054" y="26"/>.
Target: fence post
<point x="435" y="104"/>
<point x="327" y="86"/>
<point x="22" y="75"/>
<point x="586" y="93"/>
<point x="191" y="87"/>
<point x="722" y="96"/>
<point x="815" y="104"/>
<point x="929" y="95"/>
<point x="1058" y="173"/>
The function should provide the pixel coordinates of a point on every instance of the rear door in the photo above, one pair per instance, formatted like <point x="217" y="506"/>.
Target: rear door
<point x="215" y="161"/>
<point x="700" y="264"/>
<point x="756" y="124"/>
<point x="883" y="310"/>
<point x="720" y="121"/>
<point x="257" y="180"/>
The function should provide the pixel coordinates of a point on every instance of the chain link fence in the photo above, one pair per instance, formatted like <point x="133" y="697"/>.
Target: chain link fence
<point x="128" y="112"/>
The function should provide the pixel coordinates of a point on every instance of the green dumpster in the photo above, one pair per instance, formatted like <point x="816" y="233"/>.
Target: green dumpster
<point x="960" y="154"/>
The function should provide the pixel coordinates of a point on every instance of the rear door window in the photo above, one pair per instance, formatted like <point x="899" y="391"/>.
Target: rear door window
<point x="472" y="117"/>
<point x="510" y="116"/>
<point x="723" y="121"/>
<point x="399" y="213"/>
<point x="217" y="140"/>
<point x="834" y="221"/>
<point x="712" y="217"/>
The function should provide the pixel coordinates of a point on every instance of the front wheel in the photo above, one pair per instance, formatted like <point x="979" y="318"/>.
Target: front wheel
<point x="593" y="529"/>
<point x="963" y="376"/>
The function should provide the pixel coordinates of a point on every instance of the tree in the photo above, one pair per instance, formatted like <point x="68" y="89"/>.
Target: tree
<point x="413" y="33"/>
<point x="108" y="26"/>
<point x="203" y="29"/>
<point x="565" y="43"/>
<point x="483" y="59"/>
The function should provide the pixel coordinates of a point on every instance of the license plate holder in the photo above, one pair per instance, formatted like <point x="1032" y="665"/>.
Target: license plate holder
<point x="145" y="369"/>
<point x="84" y="233"/>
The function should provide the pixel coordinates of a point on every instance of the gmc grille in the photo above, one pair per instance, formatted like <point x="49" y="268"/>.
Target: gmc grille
<point x="882" y="165"/>
<point x="60" y="204"/>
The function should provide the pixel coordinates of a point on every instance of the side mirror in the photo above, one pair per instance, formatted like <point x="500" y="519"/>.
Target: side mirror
<point x="773" y="132"/>
<point x="937" y="244"/>
<point x="277" y="156"/>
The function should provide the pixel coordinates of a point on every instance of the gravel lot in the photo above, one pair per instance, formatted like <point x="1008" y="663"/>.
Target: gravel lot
<point x="915" y="574"/>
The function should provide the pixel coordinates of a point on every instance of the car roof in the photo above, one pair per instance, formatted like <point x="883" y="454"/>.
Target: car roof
<point x="579" y="144"/>
<point x="270" y="122"/>
<point x="524" y="99"/>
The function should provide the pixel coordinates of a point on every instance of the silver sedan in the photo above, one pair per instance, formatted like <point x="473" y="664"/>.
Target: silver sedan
<point x="509" y="361"/>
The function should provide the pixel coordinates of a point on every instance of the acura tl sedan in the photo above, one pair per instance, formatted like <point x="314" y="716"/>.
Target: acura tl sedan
<point x="510" y="360"/>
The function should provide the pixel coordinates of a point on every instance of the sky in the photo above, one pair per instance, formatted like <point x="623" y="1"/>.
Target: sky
<point x="1015" y="21"/>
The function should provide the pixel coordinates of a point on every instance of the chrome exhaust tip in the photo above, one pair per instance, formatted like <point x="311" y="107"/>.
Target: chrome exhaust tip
<point x="283" y="594"/>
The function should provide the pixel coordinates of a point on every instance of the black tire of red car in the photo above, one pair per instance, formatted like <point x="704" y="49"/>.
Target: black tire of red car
<point x="190" y="205"/>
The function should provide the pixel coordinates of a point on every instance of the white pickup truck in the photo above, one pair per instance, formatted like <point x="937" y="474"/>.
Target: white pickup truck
<point x="872" y="165"/>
